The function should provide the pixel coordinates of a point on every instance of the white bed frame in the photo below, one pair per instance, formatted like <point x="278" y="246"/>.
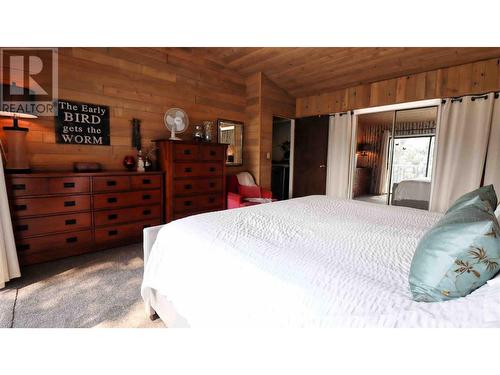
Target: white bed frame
<point x="160" y="306"/>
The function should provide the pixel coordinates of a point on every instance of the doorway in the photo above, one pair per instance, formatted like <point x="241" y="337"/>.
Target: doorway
<point x="394" y="156"/>
<point x="310" y="156"/>
<point x="282" y="145"/>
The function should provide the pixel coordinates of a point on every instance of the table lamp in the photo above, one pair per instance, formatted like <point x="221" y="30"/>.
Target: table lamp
<point x="18" y="158"/>
<point x="230" y="154"/>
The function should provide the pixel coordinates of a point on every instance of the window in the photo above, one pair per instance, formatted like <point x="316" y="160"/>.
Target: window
<point x="412" y="158"/>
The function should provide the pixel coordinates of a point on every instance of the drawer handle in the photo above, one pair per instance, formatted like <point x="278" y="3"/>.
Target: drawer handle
<point x="146" y="197"/>
<point x="211" y="200"/>
<point x="111" y="183"/>
<point x="188" y="203"/>
<point x="72" y="239"/>
<point x="112" y="200"/>
<point x="71" y="222"/>
<point x="21" y="227"/>
<point x="146" y="212"/>
<point x="20" y="207"/>
<point x="187" y="151"/>
<point x="213" y="153"/>
<point x="69" y="184"/>
<point x="112" y="217"/>
<point x="188" y="186"/>
<point x="19" y="187"/>
<point x="188" y="170"/>
<point x="112" y="232"/>
<point x="212" y="184"/>
<point x="23" y="247"/>
<point x="146" y="181"/>
<point x="69" y="204"/>
<point x="211" y="169"/>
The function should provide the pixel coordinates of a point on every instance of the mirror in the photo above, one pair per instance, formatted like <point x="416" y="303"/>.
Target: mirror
<point x="231" y="133"/>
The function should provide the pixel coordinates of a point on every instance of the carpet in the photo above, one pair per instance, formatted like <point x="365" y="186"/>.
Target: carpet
<point x="99" y="289"/>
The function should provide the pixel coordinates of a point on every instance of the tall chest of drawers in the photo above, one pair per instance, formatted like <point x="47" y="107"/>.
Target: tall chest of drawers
<point x="62" y="214"/>
<point x="194" y="177"/>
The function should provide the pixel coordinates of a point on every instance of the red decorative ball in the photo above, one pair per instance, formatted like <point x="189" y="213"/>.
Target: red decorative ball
<point x="129" y="162"/>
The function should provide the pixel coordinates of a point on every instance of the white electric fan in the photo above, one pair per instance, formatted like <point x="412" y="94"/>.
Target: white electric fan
<point x="177" y="121"/>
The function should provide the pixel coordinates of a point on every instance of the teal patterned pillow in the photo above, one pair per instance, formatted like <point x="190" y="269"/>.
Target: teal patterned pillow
<point x="458" y="255"/>
<point x="486" y="193"/>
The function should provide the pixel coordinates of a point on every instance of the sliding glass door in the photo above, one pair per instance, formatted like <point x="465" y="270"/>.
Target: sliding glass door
<point x="394" y="158"/>
<point x="412" y="152"/>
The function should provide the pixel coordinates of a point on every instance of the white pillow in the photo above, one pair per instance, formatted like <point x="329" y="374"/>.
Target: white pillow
<point x="245" y="179"/>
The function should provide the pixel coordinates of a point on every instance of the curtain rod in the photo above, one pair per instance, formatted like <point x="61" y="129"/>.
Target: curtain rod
<point x="473" y="97"/>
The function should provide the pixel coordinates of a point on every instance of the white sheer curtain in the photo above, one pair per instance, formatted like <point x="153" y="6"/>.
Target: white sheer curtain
<point x="9" y="265"/>
<point x="462" y="140"/>
<point x="492" y="168"/>
<point x="381" y="187"/>
<point x="339" y="155"/>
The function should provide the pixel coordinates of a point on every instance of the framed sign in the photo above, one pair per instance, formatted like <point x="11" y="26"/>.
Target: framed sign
<point x="82" y="123"/>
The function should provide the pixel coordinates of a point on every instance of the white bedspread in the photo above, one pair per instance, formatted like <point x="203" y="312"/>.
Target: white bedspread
<point x="306" y="262"/>
<point x="417" y="189"/>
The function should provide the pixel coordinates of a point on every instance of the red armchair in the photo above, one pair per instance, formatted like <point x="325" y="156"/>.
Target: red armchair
<point x="236" y="193"/>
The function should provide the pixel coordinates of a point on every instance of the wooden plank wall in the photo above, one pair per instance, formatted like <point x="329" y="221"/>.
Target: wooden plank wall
<point x="474" y="78"/>
<point x="264" y="100"/>
<point x="251" y="128"/>
<point x="135" y="82"/>
<point x="275" y="102"/>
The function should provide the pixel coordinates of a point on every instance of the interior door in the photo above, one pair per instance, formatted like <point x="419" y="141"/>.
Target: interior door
<point x="310" y="156"/>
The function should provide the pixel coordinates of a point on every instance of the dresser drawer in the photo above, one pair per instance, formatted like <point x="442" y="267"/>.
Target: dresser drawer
<point x="54" y="241"/>
<point x="22" y="207"/>
<point x="41" y="249"/>
<point x="20" y="186"/>
<point x="126" y="199"/>
<point x="210" y="201"/>
<point x="110" y="183"/>
<point x="196" y="186"/>
<point x="213" y="152"/>
<point x="44" y="225"/>
<point x="185" y="152"/>
<point x="210" y="169"/>
<point x="118" y="233"/>
<point x="70" y="185"/>
<point x="124" y="215"/>
<point x="145" y="182"/>
<point x="197" y="169"/>
<point x="197" y="202"/>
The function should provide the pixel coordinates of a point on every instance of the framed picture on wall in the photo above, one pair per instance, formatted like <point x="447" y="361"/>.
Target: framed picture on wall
<point x="82" y="123"/>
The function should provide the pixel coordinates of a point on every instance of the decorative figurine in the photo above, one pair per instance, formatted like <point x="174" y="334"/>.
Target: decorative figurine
<point x="198" y="133"/>
<point x="140" y="162"/>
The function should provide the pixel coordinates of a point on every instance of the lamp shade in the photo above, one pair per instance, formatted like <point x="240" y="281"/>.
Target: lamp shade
<point x="363" y="147"/>
<point x="17" y="114"/>
<point x="18" y="157"/>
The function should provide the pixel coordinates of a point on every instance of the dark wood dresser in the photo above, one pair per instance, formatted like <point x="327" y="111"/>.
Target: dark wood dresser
<point x="195" y="175"/>
<point x="62" y="214"/>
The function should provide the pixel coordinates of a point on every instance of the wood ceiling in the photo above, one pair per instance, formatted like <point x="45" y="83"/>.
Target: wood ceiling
<point x="309" y="71"/>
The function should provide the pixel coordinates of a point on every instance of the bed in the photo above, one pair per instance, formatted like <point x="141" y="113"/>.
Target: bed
<point x="306" y="262"/>
<point x="414" y="193"/>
